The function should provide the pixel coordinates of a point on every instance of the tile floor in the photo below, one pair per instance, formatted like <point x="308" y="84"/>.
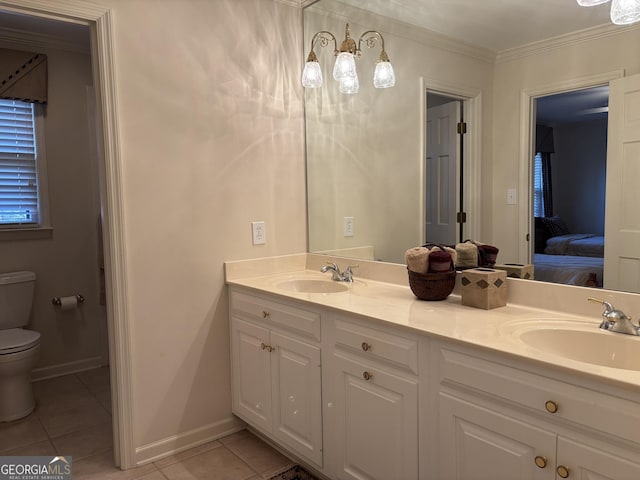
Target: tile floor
<point x="73" y="417"/>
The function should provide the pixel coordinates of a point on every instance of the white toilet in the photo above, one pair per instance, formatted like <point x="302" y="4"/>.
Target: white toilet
<point x="18" y="347"/>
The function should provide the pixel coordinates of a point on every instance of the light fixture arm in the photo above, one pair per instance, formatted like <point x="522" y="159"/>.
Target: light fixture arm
<point x="371" y="38"/>
<point x="323" y="38"/>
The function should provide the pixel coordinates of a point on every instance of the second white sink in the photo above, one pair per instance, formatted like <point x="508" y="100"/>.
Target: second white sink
<point x="579" y="341"/>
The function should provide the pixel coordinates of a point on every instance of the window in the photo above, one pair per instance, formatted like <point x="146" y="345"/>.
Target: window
<point x="538" y="187"/>
<point x="20" y="204"/>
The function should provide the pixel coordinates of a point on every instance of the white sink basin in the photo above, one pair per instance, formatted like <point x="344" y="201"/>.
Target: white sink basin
<point x="308" y="285"/>
<point x="579" y="341"/>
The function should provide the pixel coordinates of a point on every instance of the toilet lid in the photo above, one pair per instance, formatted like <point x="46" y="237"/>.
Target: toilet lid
<point x="16" y="340"/>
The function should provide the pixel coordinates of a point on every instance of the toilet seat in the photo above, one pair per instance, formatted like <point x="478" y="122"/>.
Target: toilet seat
<point x="16" y="340"/>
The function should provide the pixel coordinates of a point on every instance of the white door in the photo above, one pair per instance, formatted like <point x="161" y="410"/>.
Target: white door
<point x="441" y="170"/>
<point x="376" y="423"/>
<point x="591" y="463"/>
<point x="251" y="373"/>
<point x="297" y="396"/>
<point x="622" y="221"/>
<point x="476" y="443"/>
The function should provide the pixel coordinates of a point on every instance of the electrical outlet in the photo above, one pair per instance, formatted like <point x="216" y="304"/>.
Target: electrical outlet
<point x="259" y="233"/>
<point x="348" y="226"/>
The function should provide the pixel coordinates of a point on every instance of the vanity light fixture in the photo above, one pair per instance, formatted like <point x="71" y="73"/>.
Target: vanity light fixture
<point x="344" y="70"/>
<point x="623" y="12"/>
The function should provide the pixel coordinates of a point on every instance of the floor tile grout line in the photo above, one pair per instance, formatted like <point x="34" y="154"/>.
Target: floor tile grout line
<point x="243" y="461"/>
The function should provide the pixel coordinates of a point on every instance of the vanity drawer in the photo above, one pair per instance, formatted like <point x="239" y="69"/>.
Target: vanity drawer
<point x="376" y="344"/>
<point x="552" y="398"/>
<point x="274" y="314"/>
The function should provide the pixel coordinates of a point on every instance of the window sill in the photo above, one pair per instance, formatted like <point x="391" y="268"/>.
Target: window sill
<point x="11" y="234"/>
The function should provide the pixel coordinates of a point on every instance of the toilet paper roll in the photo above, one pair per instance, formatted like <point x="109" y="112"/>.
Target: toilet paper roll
<point x="68" y="303"/>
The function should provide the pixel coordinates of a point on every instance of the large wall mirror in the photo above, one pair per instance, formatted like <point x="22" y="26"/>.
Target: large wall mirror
<point x="367" y="152"/>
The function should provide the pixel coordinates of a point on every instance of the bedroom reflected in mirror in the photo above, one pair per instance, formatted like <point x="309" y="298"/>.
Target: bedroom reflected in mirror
<point x="569" y="173"/>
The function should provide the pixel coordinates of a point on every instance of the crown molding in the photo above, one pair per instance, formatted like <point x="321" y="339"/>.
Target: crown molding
<point x="561" y="41"/>
<point x="404" y="30"/>
<point x="292" y="3"/>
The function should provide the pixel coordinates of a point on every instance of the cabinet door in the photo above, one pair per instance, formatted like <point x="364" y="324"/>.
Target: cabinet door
<point x="476" y="443"/>
<point x="297" y="396"/>
<point x="589" y="463"/>
<point x="251" y="374"/>
<point x="375" y="422"/>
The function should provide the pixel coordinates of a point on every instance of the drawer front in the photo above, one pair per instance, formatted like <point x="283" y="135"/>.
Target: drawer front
<point x="552" y="398"/>
<point x="275" y="314"/>
<point x="378" y="345"/>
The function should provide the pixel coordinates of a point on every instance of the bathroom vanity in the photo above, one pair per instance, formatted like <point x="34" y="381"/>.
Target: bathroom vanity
<point x="363" y="381"/>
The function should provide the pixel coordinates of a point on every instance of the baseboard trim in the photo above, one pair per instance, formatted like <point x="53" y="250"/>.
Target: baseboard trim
<point x="66" y="368"/>
<point x="186" y="440"/>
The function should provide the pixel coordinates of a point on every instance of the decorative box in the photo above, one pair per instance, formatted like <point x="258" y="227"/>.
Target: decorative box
<point x="517" y="270"/>
<point x="484" y="288"/>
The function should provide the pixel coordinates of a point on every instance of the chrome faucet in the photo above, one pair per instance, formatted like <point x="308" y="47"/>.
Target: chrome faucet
<point x="615" y="320"/>
<point x="337" y="275"/>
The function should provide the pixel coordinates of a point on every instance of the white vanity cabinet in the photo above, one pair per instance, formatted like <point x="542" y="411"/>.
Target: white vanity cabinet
<point x="276" y="372"/>
<point x="498" y="421"/>
<point x="370" y="387"/>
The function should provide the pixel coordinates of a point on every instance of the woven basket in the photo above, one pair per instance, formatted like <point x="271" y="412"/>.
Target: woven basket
<point x="432" y="286"/>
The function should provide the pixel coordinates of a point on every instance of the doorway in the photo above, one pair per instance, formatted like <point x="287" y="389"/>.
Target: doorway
<point x="99" y="20"/>
<point x="568" y="187"/>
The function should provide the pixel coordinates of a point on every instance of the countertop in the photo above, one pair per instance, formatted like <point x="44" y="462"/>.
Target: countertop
<point x="393" y="304"/>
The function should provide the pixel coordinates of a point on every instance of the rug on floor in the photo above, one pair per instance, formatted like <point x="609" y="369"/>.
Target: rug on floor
<point x="294" y="473"/>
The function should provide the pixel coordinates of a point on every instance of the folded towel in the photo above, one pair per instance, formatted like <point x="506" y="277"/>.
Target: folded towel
<point x="439" y="261"/>
<point x="467" y="255"/>
<point x="488" y="254"/>
<point x="417" y="259"/>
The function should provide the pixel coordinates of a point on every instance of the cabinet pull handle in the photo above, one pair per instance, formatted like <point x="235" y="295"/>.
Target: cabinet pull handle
<point x="268" y="348"/>
<point x="265" y="314"/>
<point x="541" y="462"/>
<point x="551" y="406"/>
<point x="367" y="376"/>
<point x="366" y="346"/>
<point x="563" y="472"/>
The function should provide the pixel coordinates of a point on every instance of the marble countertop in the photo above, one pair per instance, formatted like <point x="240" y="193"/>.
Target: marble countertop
<point x="393" y="303"/>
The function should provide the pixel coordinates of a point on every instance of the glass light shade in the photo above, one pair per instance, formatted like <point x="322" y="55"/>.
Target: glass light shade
<point x="384" y="77"/>
<point x="345" y="66"/>
<point x="591" y="3"/>
<point x="312" y="75"/>
<point x="349" y="85"/>
<point x="624" y="12"/>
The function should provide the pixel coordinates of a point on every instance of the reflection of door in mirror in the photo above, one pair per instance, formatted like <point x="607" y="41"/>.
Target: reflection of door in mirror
<point x="622" y="226"/>
<point x="442" y="167"/>
<point x="569" y="171"/>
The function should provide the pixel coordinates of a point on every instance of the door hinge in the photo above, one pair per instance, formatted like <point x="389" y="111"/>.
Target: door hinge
<point x="461" y="217"/>
<point x="462" y="128"/>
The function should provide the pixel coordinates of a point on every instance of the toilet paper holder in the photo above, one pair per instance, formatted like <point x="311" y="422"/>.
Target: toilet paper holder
<point x="58" y="302"/>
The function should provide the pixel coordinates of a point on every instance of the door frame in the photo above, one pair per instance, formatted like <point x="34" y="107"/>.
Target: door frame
<point x="100" y="21"/>
<point x="472" y="143"/>
<point x="525" y="225"/>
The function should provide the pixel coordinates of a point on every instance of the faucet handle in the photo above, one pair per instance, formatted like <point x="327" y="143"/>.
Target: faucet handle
<point x="347" y="275"/>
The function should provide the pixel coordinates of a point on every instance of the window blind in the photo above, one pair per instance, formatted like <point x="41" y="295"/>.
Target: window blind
<point x="538" y="196"/>
<point x="18" y="173"/>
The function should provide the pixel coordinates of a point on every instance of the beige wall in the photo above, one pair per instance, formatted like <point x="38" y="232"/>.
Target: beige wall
<point x="211" y="132"/>
<point x="66" y="262"/>
<point x="364" y="151"/>
<point x="533" y="72"/>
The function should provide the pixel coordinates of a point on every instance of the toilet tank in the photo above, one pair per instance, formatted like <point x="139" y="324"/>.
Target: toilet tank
<point x="16" y="296"/>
